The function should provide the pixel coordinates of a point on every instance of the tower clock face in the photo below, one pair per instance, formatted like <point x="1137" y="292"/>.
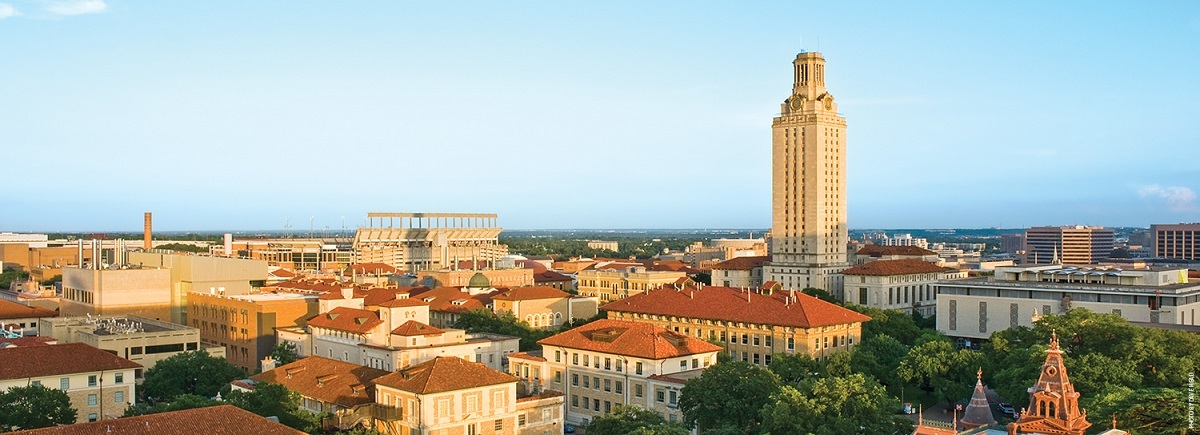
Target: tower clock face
<point x="829" y="103"/>
<point x="797" y="102"/>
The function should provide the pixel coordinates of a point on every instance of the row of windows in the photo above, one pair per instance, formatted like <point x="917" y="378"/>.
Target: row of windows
<point x="92" y="381"/>
<point x="594" y="383"/>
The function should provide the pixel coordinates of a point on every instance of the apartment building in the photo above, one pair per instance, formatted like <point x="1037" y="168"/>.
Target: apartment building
<point x="975" y="308"/>
<point x="1179" y="241"/>
<point x="100" y="385"/>
<point x="753" y="324"/>
<point x="1073" y="245"/>
<point x="905" y="285"/>
<point x="609" y="363"/>
<point x="454" y="396"/>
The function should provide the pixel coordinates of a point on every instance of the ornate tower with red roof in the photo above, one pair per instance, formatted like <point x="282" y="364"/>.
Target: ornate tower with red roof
<point x="1053" y="402"/>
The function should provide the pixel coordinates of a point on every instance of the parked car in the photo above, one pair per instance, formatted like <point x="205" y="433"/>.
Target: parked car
<point x="568" y="428"/>
<point x="1007" y="409"/>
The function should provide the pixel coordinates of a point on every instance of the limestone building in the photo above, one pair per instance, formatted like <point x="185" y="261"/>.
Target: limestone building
<point x="905" y="285"/>
<point x="140" y="291"/>
<point x="138" y="339"/>
<point x="100" y="385"/>
<point x="615" y="284"/>
<point x="808" y="191"/>
<point x="740" y="272"/>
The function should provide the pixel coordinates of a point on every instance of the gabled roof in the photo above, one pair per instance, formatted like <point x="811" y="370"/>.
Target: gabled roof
<point x="443" y="373"/>
<point x="282" y="273"/>
<point x="413" y="328"/>
<point x="347" y="319"/>
<point x="742" y="263"/>
<point x="737" y="305"/>
<point x="530" y="293"/>
<point x="13" y="310"/>
<point x="549" y="276"/>
<point x="212" y="420"/>
<point x="906" y="266"/>
<point x="405" y="302"/>
<point x="452" y="299"/>
<point x="58" y="359"/>
<point x="378" y="295"/>
<point x="327" y="380"/>
<point x="637" y="339"/>
<point x="881" y="250"/>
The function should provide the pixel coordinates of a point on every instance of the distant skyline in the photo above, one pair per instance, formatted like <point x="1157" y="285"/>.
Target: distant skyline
<point x="223" y="115"/>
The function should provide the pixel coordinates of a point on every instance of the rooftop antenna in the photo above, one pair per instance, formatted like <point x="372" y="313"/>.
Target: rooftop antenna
<point x="287" y="227"/>
<point x="310" y="226"/>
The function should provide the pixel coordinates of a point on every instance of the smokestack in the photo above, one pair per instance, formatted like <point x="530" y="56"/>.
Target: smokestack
<point x="95" y="254"/>
<point x="80" y="263"/>
<point x="146" y="233"/>
<point x="228" y="245"/>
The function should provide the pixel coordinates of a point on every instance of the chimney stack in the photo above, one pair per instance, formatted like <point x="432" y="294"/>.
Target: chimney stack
<point x="228" y="245"/>
<point x="146" y="233"/>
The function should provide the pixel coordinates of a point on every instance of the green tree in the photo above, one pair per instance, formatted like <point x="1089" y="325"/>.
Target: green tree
<point x="284" y="353"/>
<point x="8" y="276"/>
<point x="34" y="406"/>
<point x="274" y="400"/>
<point x="193" y="372"/>
<point x="834" y="406"/>
<point x="728" y="394"/>
<point x="505" y="323"/>
<point x="821" y="294"/>
<point x="940" y="369"/>
<point x="878" y="356"/>
<point x="630" y="419"/>
<point x="794" y="368"/>
<point x="181" y="402"/>
<point x="896" y="323"/>
<point x="1141" y="412"/>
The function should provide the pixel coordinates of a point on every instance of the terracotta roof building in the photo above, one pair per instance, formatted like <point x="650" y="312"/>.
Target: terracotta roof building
<point x="753" y="323"/>
<point x="870" y="253"/>
<point x="905" y="284"/>
<point x="608" y="363"/>
<point x="740" y="272"/>
<point x="100" y="385"/>
<point x="610" y="282"/>
<point x="212" y="420"/>
<point x="544" y="307"/>
<point x="455" y="394"/>
<point x="550" y="278"/>
<point x="20" y="318"/>
<point x="324" y="384"/>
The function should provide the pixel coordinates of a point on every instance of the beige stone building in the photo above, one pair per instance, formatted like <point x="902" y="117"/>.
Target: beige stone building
<point x="138" y="339"/>
<point x="544" y="307"/>
<point x="460" y="278"/>
<point x="316" y="255"/>
<point x="244" y="325"/>
<point x="608" y="363"/>
<point x="614" y="284"/>
<point x="100" y="385"/>
<point x="880" y="252"/>
<point x="740" y="272"/>
<point x="753" y="324"/>
<point x="808" y="193"/>
<point x="905" y="285"/>
<point x="345" y="390"/>
<point x="602" y="245"/>
<point x="144" y="292"/>
<point x="453" y="396"/>
<point x="201" y="273"/>
<point x="974" y="308"/>
<point x="420" y="241"/>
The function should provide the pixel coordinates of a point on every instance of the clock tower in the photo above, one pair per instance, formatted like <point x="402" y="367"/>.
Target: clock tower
<point x="808" y="189"/>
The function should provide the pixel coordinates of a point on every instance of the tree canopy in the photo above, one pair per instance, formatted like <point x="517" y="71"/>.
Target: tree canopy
<point x="832" y="406"/>
<point x="270" y="399"/>
<point x="193" y="372"/>
<point x="941" y="370"/>
<point x="284" y="353"/>
<point x="728" y="394"/>
<point x="630" y="419"/>
<point x="34" y="406"/>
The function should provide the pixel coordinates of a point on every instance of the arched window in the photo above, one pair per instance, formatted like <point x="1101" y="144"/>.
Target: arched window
<point x="1042" y="408"/>
<point x="1051" y="408"/>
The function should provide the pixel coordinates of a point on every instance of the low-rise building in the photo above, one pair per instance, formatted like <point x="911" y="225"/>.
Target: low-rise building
<point x="140" y="291"/>
<point x="544" y="307"/>
<point x="204" y="274"/>
<point x="882" y="252"/>
<point x="753" y="324"/>
<point x="454" y="396"/>
<point x="345" y="390"/>
<point x="462" y="277"/>
<point x="614" y="284"/>
<point x="550" y="278"/>
<point x="221" y="419"/>
<point x="100" y="385"/>
<point x="608" y="363"/>
<point x="139" y="339"/>
<point x="21" y="319"/>
<point x="244" y="325"/>
<point x="974" y="308"/>
<point x="740" y="272"/>
<point x="905" y="285"/>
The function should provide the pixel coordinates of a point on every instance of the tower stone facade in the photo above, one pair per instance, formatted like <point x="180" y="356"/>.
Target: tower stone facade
<point x="808" y="194"/>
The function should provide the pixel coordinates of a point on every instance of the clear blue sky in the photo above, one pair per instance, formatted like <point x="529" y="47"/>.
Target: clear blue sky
<point x="238" y="115"/>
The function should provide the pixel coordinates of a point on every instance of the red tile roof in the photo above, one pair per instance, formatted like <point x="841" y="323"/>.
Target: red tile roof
<point x="452" y="299"/>
<point x="736" y="305"/>
<point x="13" y="310"/>
<point x="550" y="276"/>
<point x="444" y="373"/>
<point x="414" y="328"/>
<point x="372" y="269"/>
<point x="906" y="266"/>
<point x="27" y="341"/>
<point x="637" y="339"/>
<point x="58" y="359"/>
<point x="742" y="263"/>
<point x="212" y="420"/>
<point x="529" y="293"/>
<point x="527" y="356"/>
<point x="880" y="250"/>
<point x="347" y="319"/>
<point x="281" y="273"/>
<point x="378" y="295"/>
<point x="405" y="302"/>
<point x="327" y="380"/>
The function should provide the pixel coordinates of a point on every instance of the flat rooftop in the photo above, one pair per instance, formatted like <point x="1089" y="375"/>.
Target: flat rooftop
<point x="1077" y="286"/>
